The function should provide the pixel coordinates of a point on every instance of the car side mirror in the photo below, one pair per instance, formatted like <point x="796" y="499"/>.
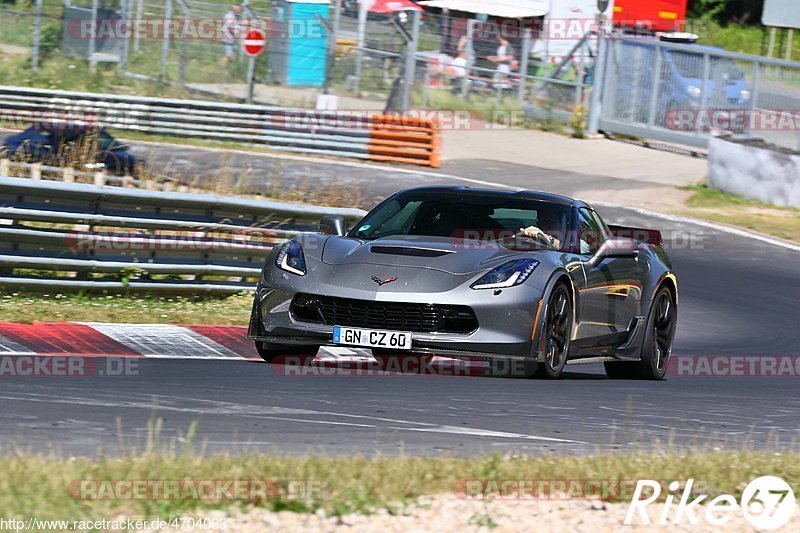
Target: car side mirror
<point x="332" y="225"/>
<point x="616" y="248"/>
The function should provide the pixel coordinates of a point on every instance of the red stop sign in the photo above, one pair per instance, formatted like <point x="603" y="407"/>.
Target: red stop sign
<point x="254" y="42"/>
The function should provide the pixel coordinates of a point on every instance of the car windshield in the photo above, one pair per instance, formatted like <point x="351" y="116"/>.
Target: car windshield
<point x="692" y="66"/>
<point x="465" y="216"/>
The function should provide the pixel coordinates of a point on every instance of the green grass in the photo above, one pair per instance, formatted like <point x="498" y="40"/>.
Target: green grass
<point x="742" y="39"/>
<point x="53" y="307"/>
<point x="35" y="485"/>
<point x="711" y="204"/>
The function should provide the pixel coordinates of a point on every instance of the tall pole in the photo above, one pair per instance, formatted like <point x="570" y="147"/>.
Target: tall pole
<point x="94" y="30"/>
<point x="123" y="54"/>
<point x="332" y="38"/>
<point x="251" y="74"/>
<point x="523" y="63"/>
<point x="772" y="35"/>
<point x="37" y="26"/>
<point x="165" y="43"/>
<point x="363" y="9"/>
<point x="139" y="9"/>
<point x="411" y="61"/>
<point x="599" y="76"/>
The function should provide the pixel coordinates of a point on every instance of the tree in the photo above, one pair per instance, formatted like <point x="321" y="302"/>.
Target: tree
<point x="728" y="11"/>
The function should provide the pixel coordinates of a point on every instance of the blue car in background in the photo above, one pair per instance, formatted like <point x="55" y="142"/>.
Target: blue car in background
<point x="680" y="85"/>
<point x="54" y="144"/>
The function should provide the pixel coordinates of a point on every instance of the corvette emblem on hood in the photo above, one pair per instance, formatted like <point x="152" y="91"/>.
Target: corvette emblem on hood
<point x="382" y="282"/>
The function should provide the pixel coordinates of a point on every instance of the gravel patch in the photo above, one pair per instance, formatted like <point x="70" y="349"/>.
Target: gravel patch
<point x="444" y="513"/>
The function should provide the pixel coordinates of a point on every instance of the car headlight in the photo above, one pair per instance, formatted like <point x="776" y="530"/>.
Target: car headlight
<point x="745" y="96"/>
<point x="694" y="91"/>
<point x="507" y="275"/>
<point x="291" y="258"/>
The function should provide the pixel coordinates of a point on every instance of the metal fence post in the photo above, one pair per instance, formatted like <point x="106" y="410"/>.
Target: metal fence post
<point x="125" y="7"/>
<point x="165" y="43"/>
<point x="653" y="105"/>
<point x="139" y="9"/>
<point x="182" y="58"/>
<point x="363" y="8"/>
<point x="470" y="53"/>
<point x="523" y="64"/>
<point x="599" y="82"/>
<point x="756" y="85"/>
<point x="581" y="78"/>
<point x="94" y="30"/>
<point x="333" y="35"/>
<point x="37" y="29"/>
<point x="411" y="61"/>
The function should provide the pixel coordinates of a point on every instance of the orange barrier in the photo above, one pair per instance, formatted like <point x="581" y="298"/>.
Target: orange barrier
<point x="395" y="138"/>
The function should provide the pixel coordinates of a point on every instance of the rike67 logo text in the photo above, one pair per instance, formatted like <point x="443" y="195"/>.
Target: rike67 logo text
<point x="767" y="503"/>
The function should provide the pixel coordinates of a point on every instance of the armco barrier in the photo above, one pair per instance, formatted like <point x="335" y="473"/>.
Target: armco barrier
<point x="114" y="238"/>
<point x="362" y="136"/>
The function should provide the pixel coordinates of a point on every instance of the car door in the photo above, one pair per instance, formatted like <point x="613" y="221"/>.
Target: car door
<point x="608" y="300"/>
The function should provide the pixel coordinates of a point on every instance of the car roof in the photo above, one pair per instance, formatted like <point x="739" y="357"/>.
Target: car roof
<point x="56" y="127"/>
<point x="502" y="193"/>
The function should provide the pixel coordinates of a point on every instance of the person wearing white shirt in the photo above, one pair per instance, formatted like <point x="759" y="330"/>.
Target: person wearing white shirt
<point x="230" y="33"/>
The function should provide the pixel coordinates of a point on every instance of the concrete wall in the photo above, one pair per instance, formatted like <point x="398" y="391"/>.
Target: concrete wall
<point x="754" y="170"/>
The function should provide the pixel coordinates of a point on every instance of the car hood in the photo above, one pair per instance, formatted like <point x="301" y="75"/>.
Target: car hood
<point x="453" y="256"/>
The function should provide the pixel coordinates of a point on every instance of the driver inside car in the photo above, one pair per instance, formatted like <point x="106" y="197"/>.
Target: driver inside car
<point x="547" y="230"/>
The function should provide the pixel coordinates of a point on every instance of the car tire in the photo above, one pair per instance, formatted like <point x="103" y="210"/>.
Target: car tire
<point x="660" y="333"/>
<point x="276" y="353"/>
<point x="557" y="331"/>
<point x="657" y="343"/>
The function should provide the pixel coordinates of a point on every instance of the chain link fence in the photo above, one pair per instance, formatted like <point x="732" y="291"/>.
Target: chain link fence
<point x="373" y="62"/>
<point x="684" y="93"/>
<point x="433" y="60"/>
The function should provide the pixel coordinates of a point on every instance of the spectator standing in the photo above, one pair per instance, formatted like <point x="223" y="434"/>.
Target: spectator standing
<point x="230" y="33"/>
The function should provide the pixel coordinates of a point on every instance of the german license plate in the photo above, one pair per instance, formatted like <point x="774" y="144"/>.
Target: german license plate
<point x="372" y="338"/>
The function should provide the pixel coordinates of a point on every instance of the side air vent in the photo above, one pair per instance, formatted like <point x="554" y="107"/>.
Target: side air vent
<point x="402" y="250"/>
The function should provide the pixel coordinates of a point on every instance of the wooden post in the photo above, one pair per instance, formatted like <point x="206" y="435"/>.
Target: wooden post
<point x="100" y="178"/>
<point x="772" y="35"/>
<point x="5" y="167"/>
<point x="36" y="171"/>
<point x="68" y="173"/>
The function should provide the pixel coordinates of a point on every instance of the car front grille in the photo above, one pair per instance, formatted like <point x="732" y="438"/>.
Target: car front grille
<point x="419" y="318"/>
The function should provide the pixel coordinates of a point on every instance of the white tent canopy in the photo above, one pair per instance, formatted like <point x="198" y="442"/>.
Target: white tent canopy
<point x="503" y="8"/>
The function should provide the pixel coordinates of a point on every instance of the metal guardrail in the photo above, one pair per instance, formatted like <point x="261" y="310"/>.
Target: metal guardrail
<point x="363" y="136"/>
<point x="72" y="235"/>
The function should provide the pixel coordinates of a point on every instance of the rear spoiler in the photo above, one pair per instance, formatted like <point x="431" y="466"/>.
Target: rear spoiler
<point x="645" y="236"/>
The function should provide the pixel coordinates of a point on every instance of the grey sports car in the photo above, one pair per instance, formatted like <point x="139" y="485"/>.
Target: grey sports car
<point x="525" y="277"/>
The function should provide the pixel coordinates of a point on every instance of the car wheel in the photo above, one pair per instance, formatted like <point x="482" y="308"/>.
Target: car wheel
<point x="277" y="353"/>
<point x="659" y="335"/>
<point x="557" y="331"/>
<point x="657" y="343"/>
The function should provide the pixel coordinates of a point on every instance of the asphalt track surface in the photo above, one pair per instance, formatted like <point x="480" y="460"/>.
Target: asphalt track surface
<point x="738" y="296"/>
